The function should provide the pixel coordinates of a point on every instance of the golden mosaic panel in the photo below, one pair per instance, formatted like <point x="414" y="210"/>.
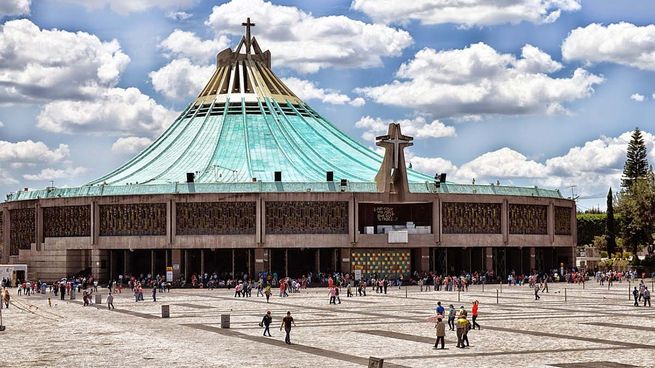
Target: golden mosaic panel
<point x="382" y="263"/>
<point x="22" y="229"/>
<point x="133" y="219"/>
<point x="308" y="217"/>
<point x="471" y="218"/>
<point x="528" y="219"/>
<point x="215" y="218"/>
<point x="66" y="221"/>
<point x="562" y="221"/>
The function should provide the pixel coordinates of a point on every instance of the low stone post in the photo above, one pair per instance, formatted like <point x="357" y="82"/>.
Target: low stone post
<point x="98" y="299"/>
<point x="165" y="311"/>
<point x="225" y="321"/>
<point x="375" y="362"/>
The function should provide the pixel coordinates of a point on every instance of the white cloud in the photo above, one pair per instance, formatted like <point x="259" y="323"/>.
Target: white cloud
<point x="637" y="97"/>
<point x="620" y="43"/>
<point x="31" y="152"/>
<point x="116" y="111"/>
<point x="467" y="13"/>
<point x="477" y="80"/>
<point x="179" y="15"/>
<point x="2" y="125"/>
<point x="306" y="43"/>
<point x="129" y="145"/>
<point x="125" y="7"/>
<point x="54" y="174"/>
<point x="181" y="79"/>
<point x="6" y="178"/>
<point x="182" y="44"/>
<point x="307" y="90"/>
<point x="417" y="128"/>
<point x="53" y="64"/>
<point x="14" y="7"/>
<point x="593" y="166"/>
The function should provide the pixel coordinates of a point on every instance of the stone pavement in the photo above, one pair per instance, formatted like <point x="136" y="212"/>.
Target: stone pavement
<point x="594" y="327"/>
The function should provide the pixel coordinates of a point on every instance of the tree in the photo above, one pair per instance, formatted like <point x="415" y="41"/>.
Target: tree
<point x="637" y="209"/>
<point x="610" y="225"/>
<point x="636" y="164"/>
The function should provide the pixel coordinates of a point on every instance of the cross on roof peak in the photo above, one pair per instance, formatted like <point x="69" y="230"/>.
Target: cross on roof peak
<point x="248" y="24"/>
<point x="396" y="140"/>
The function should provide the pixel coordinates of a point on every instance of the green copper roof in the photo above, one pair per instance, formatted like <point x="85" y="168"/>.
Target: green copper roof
<point x="236" y="142"/>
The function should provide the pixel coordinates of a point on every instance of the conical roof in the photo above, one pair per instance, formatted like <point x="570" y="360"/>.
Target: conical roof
<point x="245" y="125"/>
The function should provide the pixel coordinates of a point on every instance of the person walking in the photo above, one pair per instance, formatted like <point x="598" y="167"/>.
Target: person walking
<point x="154" y="293"/>
<point x="636" y="296"/>
<point x="474" y="313"/>
<point x="110" y="302"/>
<point x="451" y="317"/>
<point x="441" y="333"/>
<point x="333" y="295"/>
<point x="6" y="298"/>
<point x="440" y="309"/>
<point x="286" y="323"/>
<point x="646" y="296"/>
<point x="536" y="292"/>
<point x="267" y="292"/>
<point x="266" y="323"/>
<point x="462" y="322"/>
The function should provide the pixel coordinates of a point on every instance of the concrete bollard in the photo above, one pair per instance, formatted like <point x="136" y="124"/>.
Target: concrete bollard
<point x="72" y="294"/>
<point x="165" y="311"/>
<point x="225" y="321"/>
<point x="496" y="296"/>
<point x="564" y="294"/>
<point x="98" y="299"/>
<point x="375" y="362"/>
<point x="458" y="295"/>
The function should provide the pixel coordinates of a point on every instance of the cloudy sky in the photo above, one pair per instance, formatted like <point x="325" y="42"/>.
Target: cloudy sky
<point x="526" y="92"/>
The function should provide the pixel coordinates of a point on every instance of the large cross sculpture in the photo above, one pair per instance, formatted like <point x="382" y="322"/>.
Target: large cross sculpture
<point x="247" y="24"/>
<point x="396" y="140"/>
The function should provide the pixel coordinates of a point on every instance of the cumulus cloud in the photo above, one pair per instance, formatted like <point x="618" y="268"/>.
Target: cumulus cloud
<point x="179" y="15"/>
<point x="477" y="80"/>
<point x="181" y="79"/>
<point x="592" y="166"/>
<point x="54" y="64"/>
<point x="129" y="145"/>
<point x="306" y="43"/>
<point x="307" y="90"/>
<point x="14" y="7"/>
<point x="116" y="111"/>
<point x="6" y="178"/>
<point x="637" y="97"/>
<point x="182" y="44"/>
<point x="54" y="174"/>
<point x="27" y="152"/>
<point x="621" y="43"/>
<point x="125" y="7"/>
<point x="418" y="127"/>
<point x="467" y="13"/>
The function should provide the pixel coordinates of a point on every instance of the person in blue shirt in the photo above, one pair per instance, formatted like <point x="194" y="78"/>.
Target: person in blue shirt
<point x="440" y="309"/>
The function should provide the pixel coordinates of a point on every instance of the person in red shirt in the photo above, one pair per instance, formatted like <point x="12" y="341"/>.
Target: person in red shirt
<point x="474" y="312"/>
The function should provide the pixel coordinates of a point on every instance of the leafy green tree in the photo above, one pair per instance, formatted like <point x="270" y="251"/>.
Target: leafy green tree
<point x="637" y="209"/>
<point x="610" y="225"/>
<point x="636" y="164"/>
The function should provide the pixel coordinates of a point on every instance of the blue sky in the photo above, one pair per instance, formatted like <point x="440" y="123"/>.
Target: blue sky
<point x="525" y="92"/>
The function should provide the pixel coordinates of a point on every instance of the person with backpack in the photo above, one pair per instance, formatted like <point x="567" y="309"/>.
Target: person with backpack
<point x="636" y="296"/>
<point x="266" y="323"/>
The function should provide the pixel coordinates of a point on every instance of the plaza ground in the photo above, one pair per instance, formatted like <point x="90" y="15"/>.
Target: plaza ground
<point x="594" y="327"/>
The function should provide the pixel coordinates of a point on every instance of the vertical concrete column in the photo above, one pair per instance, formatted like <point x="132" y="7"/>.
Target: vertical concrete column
<point x="176" y="259"/>
<point x="99" y="262"/>
<point x="533" y="258"/>
<point x="436" y="220"/>
<point x="345" y="260"/>
<point x="356" y="220"/>
<point x="186" y="264"/>
<point x="5" y="235"/>
<point x="233" y="267"/>
<point x="171" y="210"/>
<point x="95" y="222"/>
<point x="152" y="262"/>
<point x="38" y="240"/>
<point x="126" y="262"/>
<point x="504" y="221"/>
<point x="352" y="225"/>
<point x="286" y="262"/>
<point x="425" y="259"/>
<point x="259" y="225"/>
<point x="318" y="260"/>
<point x="202" y="261"/>
<point x="260" y="260"/>
<point x="551" y="222"/>
<point x="489" y="253"/>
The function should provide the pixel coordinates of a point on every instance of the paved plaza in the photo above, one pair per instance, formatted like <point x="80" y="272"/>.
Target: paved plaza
<point x="593" y="327"/>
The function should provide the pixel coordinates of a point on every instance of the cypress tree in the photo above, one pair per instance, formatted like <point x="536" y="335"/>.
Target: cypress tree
<point x="636" y="164"/>
<point x="610" y="225"/>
